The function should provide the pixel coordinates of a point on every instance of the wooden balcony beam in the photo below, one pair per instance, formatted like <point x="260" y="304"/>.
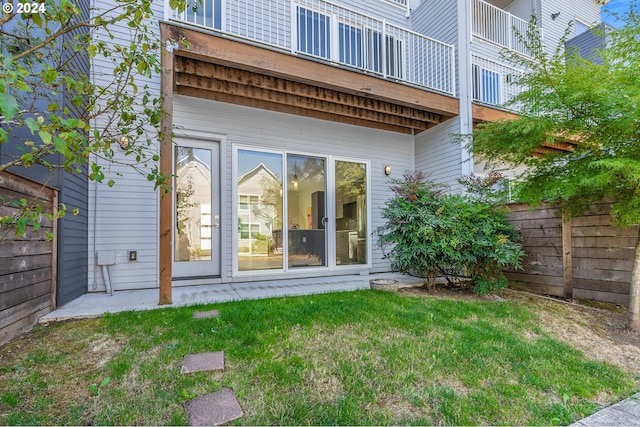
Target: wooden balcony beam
<point x="231" y="71"/>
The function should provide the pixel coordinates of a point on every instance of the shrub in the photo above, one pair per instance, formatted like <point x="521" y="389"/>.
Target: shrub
<point x="430" y="233"/>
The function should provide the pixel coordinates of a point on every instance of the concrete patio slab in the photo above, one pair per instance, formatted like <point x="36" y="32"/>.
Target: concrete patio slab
<point x="206" y="314"/>
<point x="624" y="413"/>
<point x="213" y="361"/>
<point x="213" y="409"/>
<point x="95" y="304"/>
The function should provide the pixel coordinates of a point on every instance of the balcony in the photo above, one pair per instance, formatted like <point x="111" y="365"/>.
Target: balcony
<point x="326" y="32"/>
<point x="500" y="27"/>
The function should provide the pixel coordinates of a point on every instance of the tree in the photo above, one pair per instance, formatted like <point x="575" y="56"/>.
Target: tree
<point x="592" y="107"/>
<point x="39" y="52"/>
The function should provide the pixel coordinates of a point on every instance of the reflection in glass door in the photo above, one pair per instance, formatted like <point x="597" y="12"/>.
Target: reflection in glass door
<point x="306" y="216"/>
<point x="351" y="212"/>
<point x="259" y="193"/>
<point x="196" y="210"/>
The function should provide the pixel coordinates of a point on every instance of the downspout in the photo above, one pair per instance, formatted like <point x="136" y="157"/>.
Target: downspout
<point x="107" y="279"/>
<point x="464" y="81"/>
<point x="95" y="184"/>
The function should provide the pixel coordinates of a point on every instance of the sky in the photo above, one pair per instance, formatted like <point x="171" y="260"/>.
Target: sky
<point x="616" y="6"/>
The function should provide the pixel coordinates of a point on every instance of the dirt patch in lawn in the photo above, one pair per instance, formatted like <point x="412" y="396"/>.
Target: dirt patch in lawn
<point x="596" y="329"/>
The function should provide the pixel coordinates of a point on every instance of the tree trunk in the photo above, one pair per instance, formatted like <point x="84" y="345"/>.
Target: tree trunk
<point x="633" y="322"/>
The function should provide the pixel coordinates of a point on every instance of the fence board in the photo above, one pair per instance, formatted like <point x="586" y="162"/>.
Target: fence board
<point x="602" y="286"/>
<point x="27" y="274"/>
<point x="12" y="281"/>
<point x="614" y="298"/>
<point x="604" y="230"/>
<point x="18" y="296"/>
<point x="603" y="263"/>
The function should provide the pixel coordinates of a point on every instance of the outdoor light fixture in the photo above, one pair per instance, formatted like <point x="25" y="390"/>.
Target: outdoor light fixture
<point x="387" y="170"/>
<point x="124" y="142"/>
<point x="555" y="15"/>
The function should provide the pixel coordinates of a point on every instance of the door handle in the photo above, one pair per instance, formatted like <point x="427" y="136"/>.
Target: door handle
<point x="324" y="220"/>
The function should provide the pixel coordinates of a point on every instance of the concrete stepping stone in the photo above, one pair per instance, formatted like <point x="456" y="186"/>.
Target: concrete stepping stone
<point x="213" y="361"/>
<point x="206" y="314"/>
<point x="213" y="409"/>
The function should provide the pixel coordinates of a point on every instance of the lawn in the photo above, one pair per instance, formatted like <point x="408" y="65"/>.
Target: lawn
<point x="343" y="358"/>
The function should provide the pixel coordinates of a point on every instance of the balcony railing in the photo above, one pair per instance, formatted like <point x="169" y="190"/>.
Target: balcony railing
<point x="332" y="33"/>
<point x="493" y="82"/>
<point x="500" y="27"/>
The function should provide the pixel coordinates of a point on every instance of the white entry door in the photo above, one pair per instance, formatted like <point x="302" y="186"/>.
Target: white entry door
<point x="196" y="196"/>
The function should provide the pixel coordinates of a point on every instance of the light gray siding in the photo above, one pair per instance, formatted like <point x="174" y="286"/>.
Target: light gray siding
<point x="584" y="10"/>
<point x="249" y="127"/>
<point x="437" y="154"/>
<point x="437" y="19"/>
<point x="124" y="217"/>
<point x="588" y="44"/>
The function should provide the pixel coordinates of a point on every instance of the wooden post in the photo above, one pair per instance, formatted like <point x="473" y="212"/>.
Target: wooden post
<point x="166" y="168"/>
<point x="567" y="258"/>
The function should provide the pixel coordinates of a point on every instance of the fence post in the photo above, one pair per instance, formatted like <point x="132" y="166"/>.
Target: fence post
<point x="567" y="259"/>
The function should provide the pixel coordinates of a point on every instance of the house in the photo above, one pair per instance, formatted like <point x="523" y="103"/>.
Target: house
<point x="290" y="117"/>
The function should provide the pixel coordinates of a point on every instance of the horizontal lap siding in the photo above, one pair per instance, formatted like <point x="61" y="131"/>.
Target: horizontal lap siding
<point x="25" y="264"/>
<point x="586" y="10"/>
<point x="125" y="216"/>
<point x="437" y="155"/>
<point x="250" y="127"/>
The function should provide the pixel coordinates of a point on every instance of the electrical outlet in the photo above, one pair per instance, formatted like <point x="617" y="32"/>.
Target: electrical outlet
<point x="133" y="255"/>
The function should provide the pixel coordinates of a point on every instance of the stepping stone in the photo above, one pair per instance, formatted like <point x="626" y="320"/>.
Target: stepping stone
<point x="213" y="409"/>
<point x="206" y="314"/>
<point x="213" y="361"/>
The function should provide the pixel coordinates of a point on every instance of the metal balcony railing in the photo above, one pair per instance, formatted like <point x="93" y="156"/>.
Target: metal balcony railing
<point x="493" y="83"/>
<point x="500" y="27"/>
<point x="332" y="33"/>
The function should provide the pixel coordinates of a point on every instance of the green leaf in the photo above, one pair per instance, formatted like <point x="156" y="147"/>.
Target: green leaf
<point x="31" y="124"/>
<point x="8" y="106"/>
<point x="61" y="145"/>
<point x="45" y="136"/>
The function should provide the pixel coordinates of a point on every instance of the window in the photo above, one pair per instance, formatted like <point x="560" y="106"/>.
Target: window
<point x="205" y="12"/>
<point x="486" y="85"/>
<point x="350" y="45"/>
<point x="580" y="26"/>
<point x="247" y="202"/>
<point x="375" y="54"/>
<point x="314" y="33"/>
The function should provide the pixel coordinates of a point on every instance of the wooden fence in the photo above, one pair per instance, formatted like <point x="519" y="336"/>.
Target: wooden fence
<point x="28" y="262"/>
<point x="585" y="257"/>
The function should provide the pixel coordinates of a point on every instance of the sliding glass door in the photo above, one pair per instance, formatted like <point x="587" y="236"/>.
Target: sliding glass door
<point x="297" y="211"/>
<point x="351" y="212"/>
<point x="259" y="210"/>
<point x="306" y="214"/>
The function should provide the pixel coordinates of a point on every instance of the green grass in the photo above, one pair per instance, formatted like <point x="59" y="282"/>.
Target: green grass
<point x="345" y="358"/>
